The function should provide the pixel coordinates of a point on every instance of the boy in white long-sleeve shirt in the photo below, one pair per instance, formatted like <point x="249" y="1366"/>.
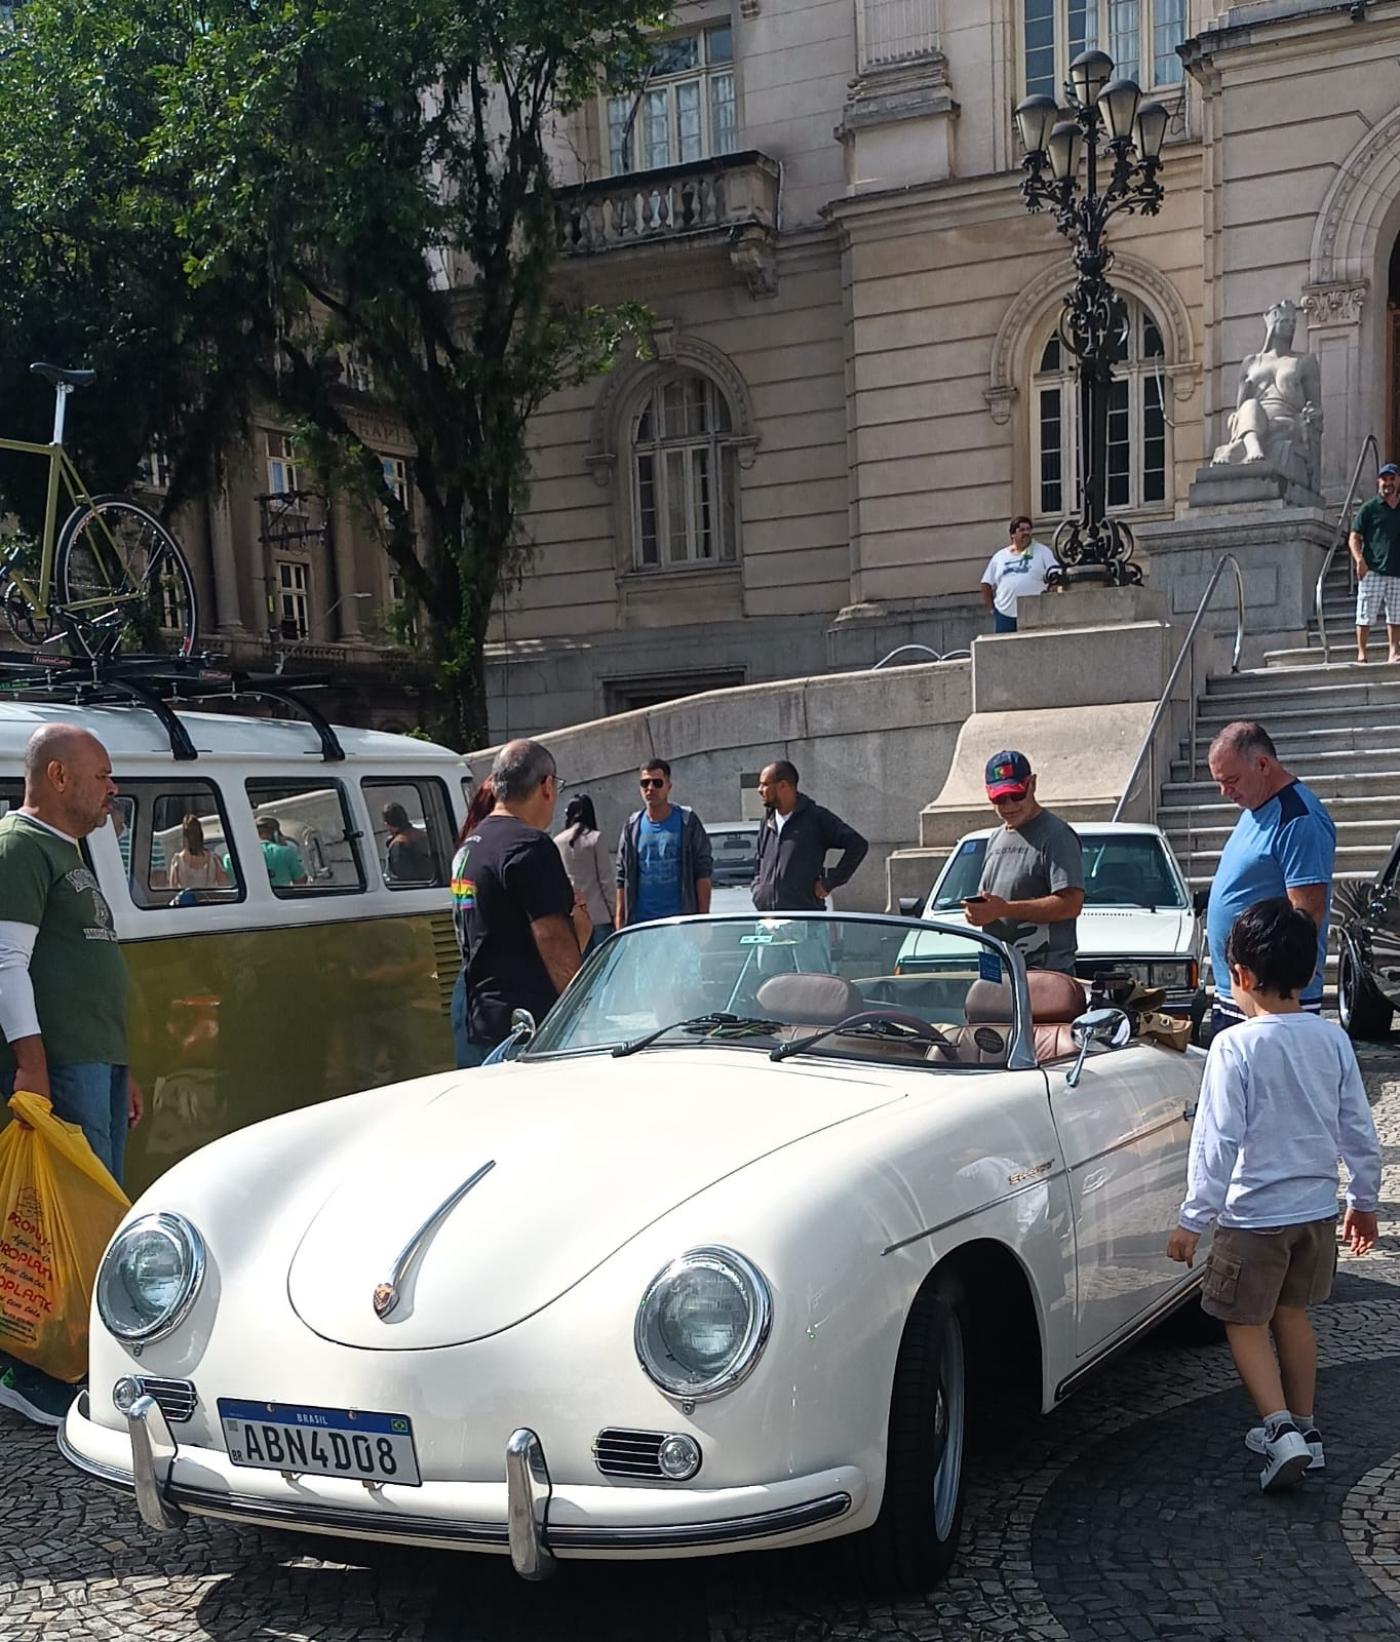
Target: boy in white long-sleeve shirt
<point x="1281" y="1100"/>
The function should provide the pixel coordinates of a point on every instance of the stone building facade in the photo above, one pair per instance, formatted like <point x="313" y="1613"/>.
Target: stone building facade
<point x="854" y="380"/>
<point x="291" y="577"/>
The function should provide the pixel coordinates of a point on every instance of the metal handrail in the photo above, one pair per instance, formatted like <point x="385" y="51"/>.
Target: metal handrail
<point x="1342" y="532"/>
<point x="923" y="649"/>
<point x="1187" y="654"/>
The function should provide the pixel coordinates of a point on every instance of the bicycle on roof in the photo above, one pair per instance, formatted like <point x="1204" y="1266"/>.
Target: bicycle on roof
<point x="112" y="579"/>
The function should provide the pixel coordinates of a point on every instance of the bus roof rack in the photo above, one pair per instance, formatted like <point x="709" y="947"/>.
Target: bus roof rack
<point x="160" y="683"/>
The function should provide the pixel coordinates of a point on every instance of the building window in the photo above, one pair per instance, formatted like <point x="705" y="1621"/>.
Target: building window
<point x="283" y="465"/>
<point x="356" y="371"/>
<point x="154" y="468"/>
<point x="1137" y="427"/>
<point x="401" y="614"/>
<point x="895" y="31"/>
<point x="293" y="598"/>
<point x="1141" y="36"/>
<point x="686" y="110"/>
<point x="395" y="476"/>
<point x="685" y="484"/>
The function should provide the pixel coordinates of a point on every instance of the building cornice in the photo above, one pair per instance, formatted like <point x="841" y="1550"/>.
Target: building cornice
<point x="1285" y="29"/>
<point x="963" y="201"/>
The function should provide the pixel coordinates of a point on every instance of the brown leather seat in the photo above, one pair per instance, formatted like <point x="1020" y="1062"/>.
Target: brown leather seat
<point x="1056" y="1001"/>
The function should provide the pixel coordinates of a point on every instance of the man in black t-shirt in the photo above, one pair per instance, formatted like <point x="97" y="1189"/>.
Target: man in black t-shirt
<point x="513" y="900"/>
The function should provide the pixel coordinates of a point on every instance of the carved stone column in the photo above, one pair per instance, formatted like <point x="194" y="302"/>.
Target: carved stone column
<point x="1334" y="334"/>
<point x="343" y="552"/>
<point x="228" y="609"/>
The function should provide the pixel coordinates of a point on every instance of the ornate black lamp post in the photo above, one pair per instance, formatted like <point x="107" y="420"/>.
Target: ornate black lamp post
<point x="1120" y="137"/>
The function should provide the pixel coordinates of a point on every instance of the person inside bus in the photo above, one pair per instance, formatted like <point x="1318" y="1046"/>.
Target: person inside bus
<point x="285" y="867"/>
<point x="195" y="866"/>
<point x="409" y="856"/>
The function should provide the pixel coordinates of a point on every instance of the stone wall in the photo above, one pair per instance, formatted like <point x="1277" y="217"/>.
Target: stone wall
<point x="871" y="745"/>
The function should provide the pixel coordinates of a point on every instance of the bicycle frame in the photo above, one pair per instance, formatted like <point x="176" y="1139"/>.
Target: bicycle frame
<point x="63" y="474"/>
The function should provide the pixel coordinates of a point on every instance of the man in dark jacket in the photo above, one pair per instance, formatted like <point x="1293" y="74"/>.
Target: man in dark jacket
<point x="791" y="874"/>
<point x="664" y="860"/>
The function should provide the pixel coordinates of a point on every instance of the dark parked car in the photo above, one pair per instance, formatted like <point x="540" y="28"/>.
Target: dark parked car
<point x="1368" y="972"/>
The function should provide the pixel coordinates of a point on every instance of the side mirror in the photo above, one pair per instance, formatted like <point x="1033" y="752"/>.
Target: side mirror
<point x="522" y="1027"/>
<point x="1200" y="902"/>
<point x="1109" y="1028"/>
<point x="910" y="906"/>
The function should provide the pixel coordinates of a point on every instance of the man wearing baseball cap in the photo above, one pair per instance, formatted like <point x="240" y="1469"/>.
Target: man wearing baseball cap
<point x="1375" y="550"/>
<point x="1032" y="885"/>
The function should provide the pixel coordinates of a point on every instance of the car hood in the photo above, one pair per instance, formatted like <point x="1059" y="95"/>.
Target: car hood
<point x="1122" y="932"/>
<point x="586" y="1153"/>
<point x="1132" y="931"/>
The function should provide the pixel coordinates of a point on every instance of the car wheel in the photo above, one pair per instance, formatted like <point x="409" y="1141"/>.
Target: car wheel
<point x="1363" y="1012"/>
<point x="915" y="1537"/>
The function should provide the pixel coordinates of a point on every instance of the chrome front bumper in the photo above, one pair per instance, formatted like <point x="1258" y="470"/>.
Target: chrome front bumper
<point x="526" y="1533"/>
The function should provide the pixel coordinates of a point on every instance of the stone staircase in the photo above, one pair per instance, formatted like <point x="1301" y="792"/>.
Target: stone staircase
<point x="1336" y="726"/>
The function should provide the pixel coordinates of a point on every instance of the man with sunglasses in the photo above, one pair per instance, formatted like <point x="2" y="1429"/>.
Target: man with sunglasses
<point x="1032" y="887"/>
<point x="664" y="859"/>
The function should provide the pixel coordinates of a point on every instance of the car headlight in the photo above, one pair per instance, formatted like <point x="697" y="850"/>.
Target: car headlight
<point x="703" y="1323"/>
<point x="1174" y="974"/>
<point x="149" y="1277"/>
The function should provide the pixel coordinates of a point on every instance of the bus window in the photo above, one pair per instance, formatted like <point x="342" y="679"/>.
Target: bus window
<point x="308" y="838"/>
<point x="173" y="839"/>
<point x="412" y="831"/>
<point x="11" y="796"/>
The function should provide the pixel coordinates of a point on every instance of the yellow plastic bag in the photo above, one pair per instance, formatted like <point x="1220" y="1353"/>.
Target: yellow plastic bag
<point x="58" y="1210"/>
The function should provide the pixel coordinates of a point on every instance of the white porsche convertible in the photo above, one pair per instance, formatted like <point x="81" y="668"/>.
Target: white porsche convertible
<point x="710" y="1264"/>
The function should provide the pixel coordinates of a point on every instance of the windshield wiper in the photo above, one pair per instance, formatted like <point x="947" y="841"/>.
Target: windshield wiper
<point x="865" y="1026"/>
<point x="718" y="1017"/>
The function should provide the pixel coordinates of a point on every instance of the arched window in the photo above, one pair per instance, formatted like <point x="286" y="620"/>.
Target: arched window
<point x="1137" y="428"/>
<point x="684" y="486"/>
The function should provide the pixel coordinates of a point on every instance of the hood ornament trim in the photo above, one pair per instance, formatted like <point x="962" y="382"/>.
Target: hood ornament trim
<point x="387" y="1294"/>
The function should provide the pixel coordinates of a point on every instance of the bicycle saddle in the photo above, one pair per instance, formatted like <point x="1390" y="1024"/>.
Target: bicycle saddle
<point x="57" y="375"/>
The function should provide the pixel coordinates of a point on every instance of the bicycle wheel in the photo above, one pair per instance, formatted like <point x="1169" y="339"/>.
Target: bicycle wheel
<point x="123" y="583"/>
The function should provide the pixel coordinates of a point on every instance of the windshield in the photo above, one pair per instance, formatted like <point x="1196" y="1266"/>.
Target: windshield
<point x="1120" y="870"/>
<point x="734" y="849"/>
<point x="762" y="981"/>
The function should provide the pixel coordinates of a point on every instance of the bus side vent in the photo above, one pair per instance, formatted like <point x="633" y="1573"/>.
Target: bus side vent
<point x="447" y="957"/>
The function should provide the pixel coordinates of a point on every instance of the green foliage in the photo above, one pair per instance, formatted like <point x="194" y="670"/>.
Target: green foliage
<point x="209" y="198"/>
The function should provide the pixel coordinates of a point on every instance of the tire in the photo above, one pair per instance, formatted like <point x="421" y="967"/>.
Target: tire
<point x="1365" y="1015"/>
<point x="915" y="1538"/>
<point x="124" y="583"/>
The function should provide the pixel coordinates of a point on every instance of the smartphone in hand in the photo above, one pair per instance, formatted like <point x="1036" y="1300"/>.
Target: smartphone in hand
<point x="972" y="900"/>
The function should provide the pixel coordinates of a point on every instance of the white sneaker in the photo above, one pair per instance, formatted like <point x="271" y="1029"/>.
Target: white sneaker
<point x="1286" y="1457"/>
<point x="1254" y="1442"/>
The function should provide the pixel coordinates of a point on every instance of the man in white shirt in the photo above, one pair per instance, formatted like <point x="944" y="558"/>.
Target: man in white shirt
<point x="1016" y="571"/>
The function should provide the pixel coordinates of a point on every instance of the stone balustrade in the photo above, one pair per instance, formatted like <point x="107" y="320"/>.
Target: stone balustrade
<point x="731" y="193"/>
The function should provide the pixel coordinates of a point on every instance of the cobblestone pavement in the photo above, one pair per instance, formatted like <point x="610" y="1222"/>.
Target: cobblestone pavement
<point x="1133" y="1512"/>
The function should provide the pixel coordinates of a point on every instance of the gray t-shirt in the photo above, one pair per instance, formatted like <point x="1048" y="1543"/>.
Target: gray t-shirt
<point x="1041" y="858"/>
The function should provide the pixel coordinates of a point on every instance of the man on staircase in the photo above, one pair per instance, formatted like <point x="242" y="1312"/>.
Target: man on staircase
<point x="1374" y="544"/>
<point x="1284" y="843"/>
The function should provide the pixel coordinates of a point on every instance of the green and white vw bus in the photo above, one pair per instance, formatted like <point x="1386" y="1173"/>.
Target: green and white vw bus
<point x="249" y="997"/>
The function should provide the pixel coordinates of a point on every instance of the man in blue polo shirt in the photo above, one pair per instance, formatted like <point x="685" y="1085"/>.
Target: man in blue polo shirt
<point x="1284" y="843"/>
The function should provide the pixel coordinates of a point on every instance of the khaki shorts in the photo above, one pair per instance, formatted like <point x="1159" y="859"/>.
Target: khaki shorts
<point x="1251" y="1273"/>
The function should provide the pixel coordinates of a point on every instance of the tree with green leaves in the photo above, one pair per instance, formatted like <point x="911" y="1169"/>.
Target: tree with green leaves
<point x="324" y="175"/>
